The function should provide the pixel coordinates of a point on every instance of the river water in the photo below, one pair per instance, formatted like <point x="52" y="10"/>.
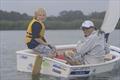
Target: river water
<point x="11" y="41"/>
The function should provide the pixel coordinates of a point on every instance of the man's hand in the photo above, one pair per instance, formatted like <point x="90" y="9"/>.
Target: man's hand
<point x="108" y="56"/>
<point x="69" y="53"/>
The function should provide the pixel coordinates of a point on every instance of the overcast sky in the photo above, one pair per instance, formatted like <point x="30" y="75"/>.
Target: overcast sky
<point x="53" y="7"/>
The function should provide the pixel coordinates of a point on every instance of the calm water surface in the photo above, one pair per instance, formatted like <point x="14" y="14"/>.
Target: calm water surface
<point x="11" y="41"/>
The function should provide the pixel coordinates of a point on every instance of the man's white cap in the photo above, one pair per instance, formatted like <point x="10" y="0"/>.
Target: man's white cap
<point x="87" y="24"/>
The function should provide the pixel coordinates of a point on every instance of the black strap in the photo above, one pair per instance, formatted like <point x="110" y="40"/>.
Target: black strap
<point x="106" y="36"/>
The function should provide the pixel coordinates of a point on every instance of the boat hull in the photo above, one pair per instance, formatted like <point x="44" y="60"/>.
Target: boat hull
<point x="26" y="60"/>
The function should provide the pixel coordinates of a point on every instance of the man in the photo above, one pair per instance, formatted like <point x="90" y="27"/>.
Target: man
<point x="35" y="34"/>
<point x="93" y="48"/>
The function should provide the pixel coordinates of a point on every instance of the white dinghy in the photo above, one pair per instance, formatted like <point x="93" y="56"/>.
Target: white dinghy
<point x="26" y="60"/>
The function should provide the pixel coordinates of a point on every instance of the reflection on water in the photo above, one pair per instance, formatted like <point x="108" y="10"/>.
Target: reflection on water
<point x="36" y="77"/>
<point x="44" y="77"/>
<point x="102" y="76"/>
<point x="11" y="41"/>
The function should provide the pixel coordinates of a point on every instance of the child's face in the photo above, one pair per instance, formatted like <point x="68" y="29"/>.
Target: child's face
<point x="41" y="17"/>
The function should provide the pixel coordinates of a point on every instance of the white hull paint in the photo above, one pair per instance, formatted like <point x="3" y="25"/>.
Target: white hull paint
<point x="26" y="60"/>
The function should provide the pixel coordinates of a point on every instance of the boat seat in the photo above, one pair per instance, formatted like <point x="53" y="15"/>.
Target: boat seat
<point x="31" y="51"/>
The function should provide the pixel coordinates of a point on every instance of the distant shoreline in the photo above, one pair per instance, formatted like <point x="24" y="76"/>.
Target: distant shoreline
<point x="66" y="20"/>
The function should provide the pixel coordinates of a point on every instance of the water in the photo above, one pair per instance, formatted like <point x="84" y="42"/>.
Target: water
<point x="11" y="41"/>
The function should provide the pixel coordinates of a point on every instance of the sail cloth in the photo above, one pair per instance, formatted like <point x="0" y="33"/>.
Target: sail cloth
<point x="112" y="16"/>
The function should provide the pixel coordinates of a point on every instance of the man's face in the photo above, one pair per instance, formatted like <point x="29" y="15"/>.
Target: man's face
<point x="87" y="31"/>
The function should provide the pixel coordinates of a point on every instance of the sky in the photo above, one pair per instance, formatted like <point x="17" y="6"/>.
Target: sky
<point x="53" y="7"/>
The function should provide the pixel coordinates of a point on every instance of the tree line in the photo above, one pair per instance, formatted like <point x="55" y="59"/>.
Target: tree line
<point x="65" y="20"/>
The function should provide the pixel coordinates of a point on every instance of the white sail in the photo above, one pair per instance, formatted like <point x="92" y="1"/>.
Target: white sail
<point x="112" y="16"/>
